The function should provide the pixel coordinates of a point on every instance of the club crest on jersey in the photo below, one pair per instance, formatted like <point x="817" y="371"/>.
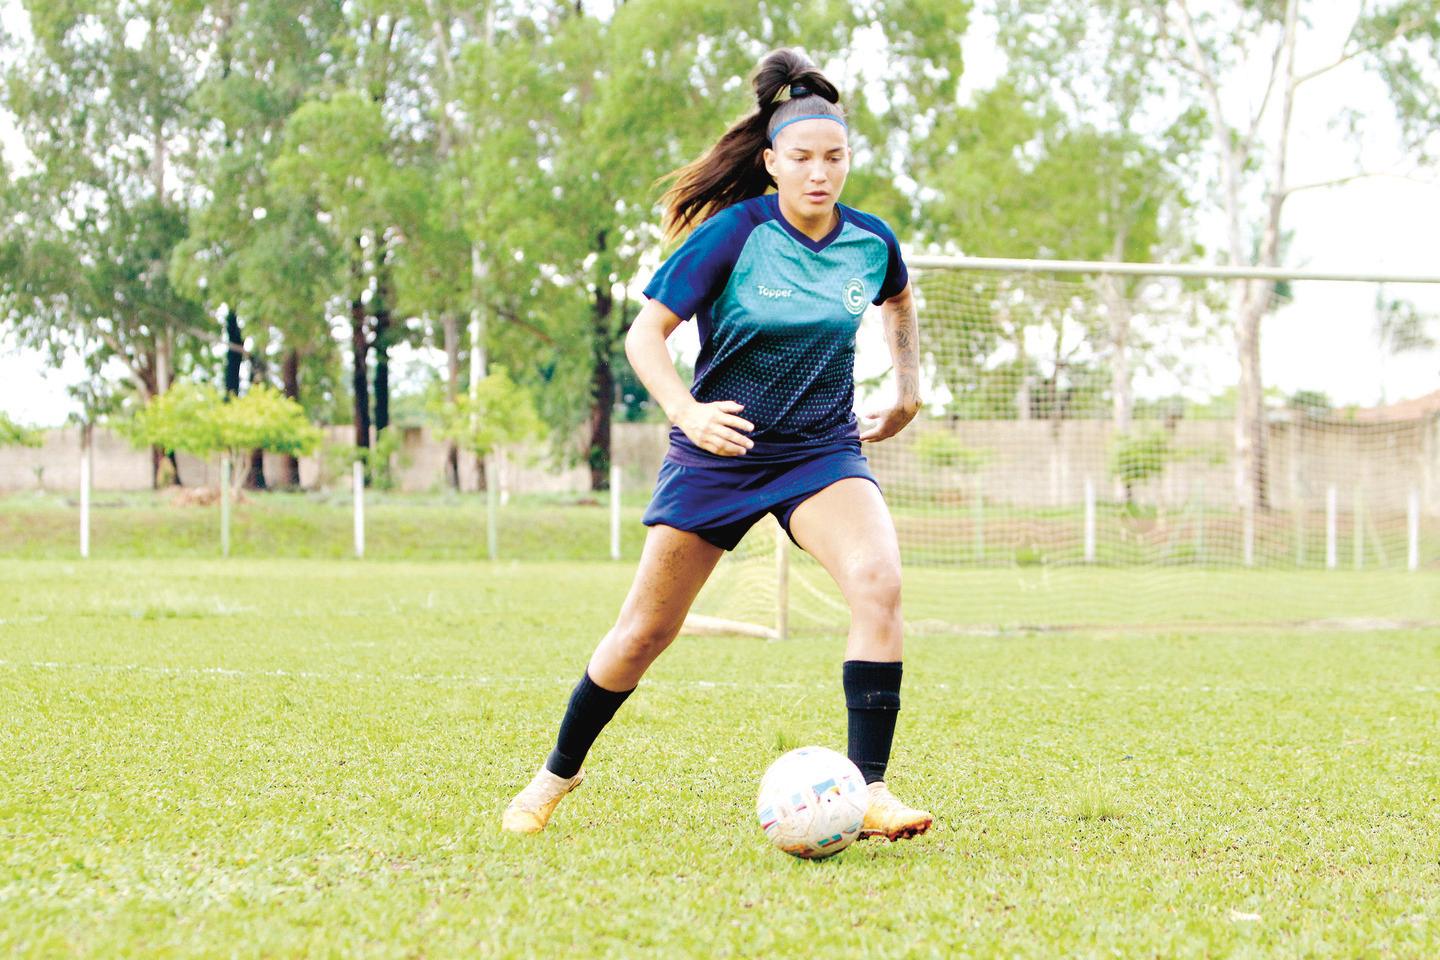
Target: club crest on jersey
<point x="855" y="296"/>
<point x="774" y="293"/>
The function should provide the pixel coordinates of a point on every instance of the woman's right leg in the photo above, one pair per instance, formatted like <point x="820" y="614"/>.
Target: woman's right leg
<point x="673" y="567"/>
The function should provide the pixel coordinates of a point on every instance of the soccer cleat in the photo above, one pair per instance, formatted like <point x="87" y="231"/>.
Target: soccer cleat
<point x="889" y="818"/>
<point x="530" y="811"/>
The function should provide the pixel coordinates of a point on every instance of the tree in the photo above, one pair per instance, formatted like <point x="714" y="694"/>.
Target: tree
<point x="1137" y="457"/>
<point x="499" y="412"/>
<point x="259" y="263"/>
<point x="1400" y="327"/>
<point x="1216" y="50"/>
<point x="200" y="420"/>
<point x="203" y="421"/>
<point x="562" y="178"/>
<point x="101" y="97"/>
<point x="1071" y="156"/>
<point x="14" y="435"/>
<point x="335" y="157"/>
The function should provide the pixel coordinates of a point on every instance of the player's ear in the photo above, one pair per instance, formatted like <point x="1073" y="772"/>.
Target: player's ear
<point x="769" y="157"/>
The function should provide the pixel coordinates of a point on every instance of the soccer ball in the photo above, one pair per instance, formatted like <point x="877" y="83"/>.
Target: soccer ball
<point x="812" y="802"/>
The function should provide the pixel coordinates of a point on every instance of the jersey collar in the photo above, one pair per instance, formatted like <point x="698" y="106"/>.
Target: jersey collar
<point x="813" y="245"/>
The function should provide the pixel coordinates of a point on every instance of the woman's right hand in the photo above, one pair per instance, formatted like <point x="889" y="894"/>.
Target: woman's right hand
<point x="716" y="427"/>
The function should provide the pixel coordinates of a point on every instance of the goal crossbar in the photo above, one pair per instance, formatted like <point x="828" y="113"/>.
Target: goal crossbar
<point x="923" y="261"/>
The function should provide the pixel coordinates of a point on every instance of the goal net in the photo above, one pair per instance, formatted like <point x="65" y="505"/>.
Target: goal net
<point x="1084" y="458"/>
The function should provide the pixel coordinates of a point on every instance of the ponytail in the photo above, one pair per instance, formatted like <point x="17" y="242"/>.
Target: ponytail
<point x="787" y="85"/>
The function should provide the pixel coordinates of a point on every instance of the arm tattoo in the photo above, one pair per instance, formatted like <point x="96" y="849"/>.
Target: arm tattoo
<point x="901" y="323"/>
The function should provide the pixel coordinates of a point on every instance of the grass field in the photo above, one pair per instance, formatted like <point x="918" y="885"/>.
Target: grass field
<point x="298" y="757"/>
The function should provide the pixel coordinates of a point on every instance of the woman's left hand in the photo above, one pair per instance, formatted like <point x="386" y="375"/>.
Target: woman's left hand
<point x="891" y="421"/>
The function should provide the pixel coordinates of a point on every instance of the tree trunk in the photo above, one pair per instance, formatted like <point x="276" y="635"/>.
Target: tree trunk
<point x="255" y="476"/>
<point x="360" y="347"/>
<point x="479" y="360"/>
<point x="1117" y="305"/>
<point x="1122" y="399"/>
<point x="602" y="380"/>
<point x="235" y="351"/>
<point x="164" y="471"/>
<point x="290" y="378"/>
<point x="451" y="324"/>
<point x="1252" y="481"/>
<point x="382" y="353"/>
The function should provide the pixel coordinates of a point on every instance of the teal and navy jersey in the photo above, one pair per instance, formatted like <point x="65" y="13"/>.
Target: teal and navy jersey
<point x="777" y="313"/>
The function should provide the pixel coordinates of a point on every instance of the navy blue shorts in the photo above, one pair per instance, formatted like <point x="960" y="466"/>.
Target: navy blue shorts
<point x="722" y="502"/>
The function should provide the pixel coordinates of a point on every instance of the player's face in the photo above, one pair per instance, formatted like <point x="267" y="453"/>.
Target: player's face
<point x="809" y="162"/>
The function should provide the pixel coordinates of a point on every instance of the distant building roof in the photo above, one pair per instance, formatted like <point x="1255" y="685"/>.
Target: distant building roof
<point x="1419" y="407"/>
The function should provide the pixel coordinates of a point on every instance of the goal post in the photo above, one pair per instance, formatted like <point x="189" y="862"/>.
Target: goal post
<point x="1081" y="460"/>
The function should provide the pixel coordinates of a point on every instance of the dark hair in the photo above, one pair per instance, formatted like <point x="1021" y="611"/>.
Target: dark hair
<point x="786" y="85"/>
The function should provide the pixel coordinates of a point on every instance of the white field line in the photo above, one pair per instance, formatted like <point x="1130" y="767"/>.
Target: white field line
<point x="568" y="681"/>
<point x="460" y="678"/>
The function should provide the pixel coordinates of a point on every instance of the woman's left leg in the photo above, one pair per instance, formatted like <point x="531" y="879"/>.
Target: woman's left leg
<point x="847" y="528"/>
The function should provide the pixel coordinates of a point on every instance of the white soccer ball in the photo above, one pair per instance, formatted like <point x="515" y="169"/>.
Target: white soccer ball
<point x="812" y="802"/>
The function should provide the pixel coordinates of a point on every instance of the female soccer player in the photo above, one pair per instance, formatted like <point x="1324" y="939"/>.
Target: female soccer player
<point x="777" y="282"/>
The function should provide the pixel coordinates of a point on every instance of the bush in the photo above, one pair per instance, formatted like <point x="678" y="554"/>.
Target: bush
<point x="944" y="450"/>
<point x="197" y="419"/>
<point x="1136" y="457"/>
<point x="501" y="412"/>
<point x="14" y="435"/>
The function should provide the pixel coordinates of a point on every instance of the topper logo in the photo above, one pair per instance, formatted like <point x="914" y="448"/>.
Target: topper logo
<point x="774" y="293"/>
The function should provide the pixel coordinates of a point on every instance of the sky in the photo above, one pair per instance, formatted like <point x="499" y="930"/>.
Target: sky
<point x="1325" y="340"/>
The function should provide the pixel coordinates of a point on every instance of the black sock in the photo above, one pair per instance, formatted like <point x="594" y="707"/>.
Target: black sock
<point x="591" y="707"/>
<point x="872" y="696"/>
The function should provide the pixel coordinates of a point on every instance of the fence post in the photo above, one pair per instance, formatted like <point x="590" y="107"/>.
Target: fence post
<point x="225" y="505"/>
<point x="1297" y="500"/>
<point x="977" y="519"/>
<point x="1331" y="509"/>
<point x="1198" y="492"/>
<point x="1247" y="522"/>
<point x="492" y="507"/>
<point x="1357" y="523"/>
<point x="1089" y="520"/>
<point x="1413" y="560"/>
<point x="85" y="467"/>
<point x="357" y="485"/>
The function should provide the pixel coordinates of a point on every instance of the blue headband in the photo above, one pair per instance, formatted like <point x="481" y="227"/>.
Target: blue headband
<point x="809" y="116"/>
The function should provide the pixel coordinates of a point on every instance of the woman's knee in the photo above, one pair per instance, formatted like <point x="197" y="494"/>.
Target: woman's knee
<point x="641" y="641"/>
<point x="874" y="584"/>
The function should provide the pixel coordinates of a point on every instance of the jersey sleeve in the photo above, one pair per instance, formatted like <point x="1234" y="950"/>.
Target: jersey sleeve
<point x="696" y="273"/>
<point x="897" y="275"/>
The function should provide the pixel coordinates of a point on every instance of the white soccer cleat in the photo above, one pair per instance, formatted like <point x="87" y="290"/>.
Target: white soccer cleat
<point x="530" y="811"/>
<point x="889" y="818"/>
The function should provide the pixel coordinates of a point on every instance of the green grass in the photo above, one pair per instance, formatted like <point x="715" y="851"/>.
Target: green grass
<point x="319" y="525"/>
<point x="309" y="758"/>
<point x="447" y="526"/>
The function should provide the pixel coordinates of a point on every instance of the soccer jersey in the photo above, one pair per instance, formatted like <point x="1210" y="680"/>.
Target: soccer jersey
<point x="777" y="314"/>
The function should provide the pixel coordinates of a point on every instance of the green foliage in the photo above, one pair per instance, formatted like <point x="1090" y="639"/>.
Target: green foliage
<point x="197" y="419"/>
<point x="500" y="412"/>
<point x="182" y="419"/>
<point x="105" y="112"/>
<point x="14" y="435"/>
<point x="940" y="449"/>
<point x="1401" y="327"/>
<point x="262" y="417"/>
<point x="1314" y="403"/>
<point x="379" y="459"/>
<point x="1140" y="455"/>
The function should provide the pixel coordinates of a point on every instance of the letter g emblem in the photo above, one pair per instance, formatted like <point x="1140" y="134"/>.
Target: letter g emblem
<point x="855" y="296"/>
